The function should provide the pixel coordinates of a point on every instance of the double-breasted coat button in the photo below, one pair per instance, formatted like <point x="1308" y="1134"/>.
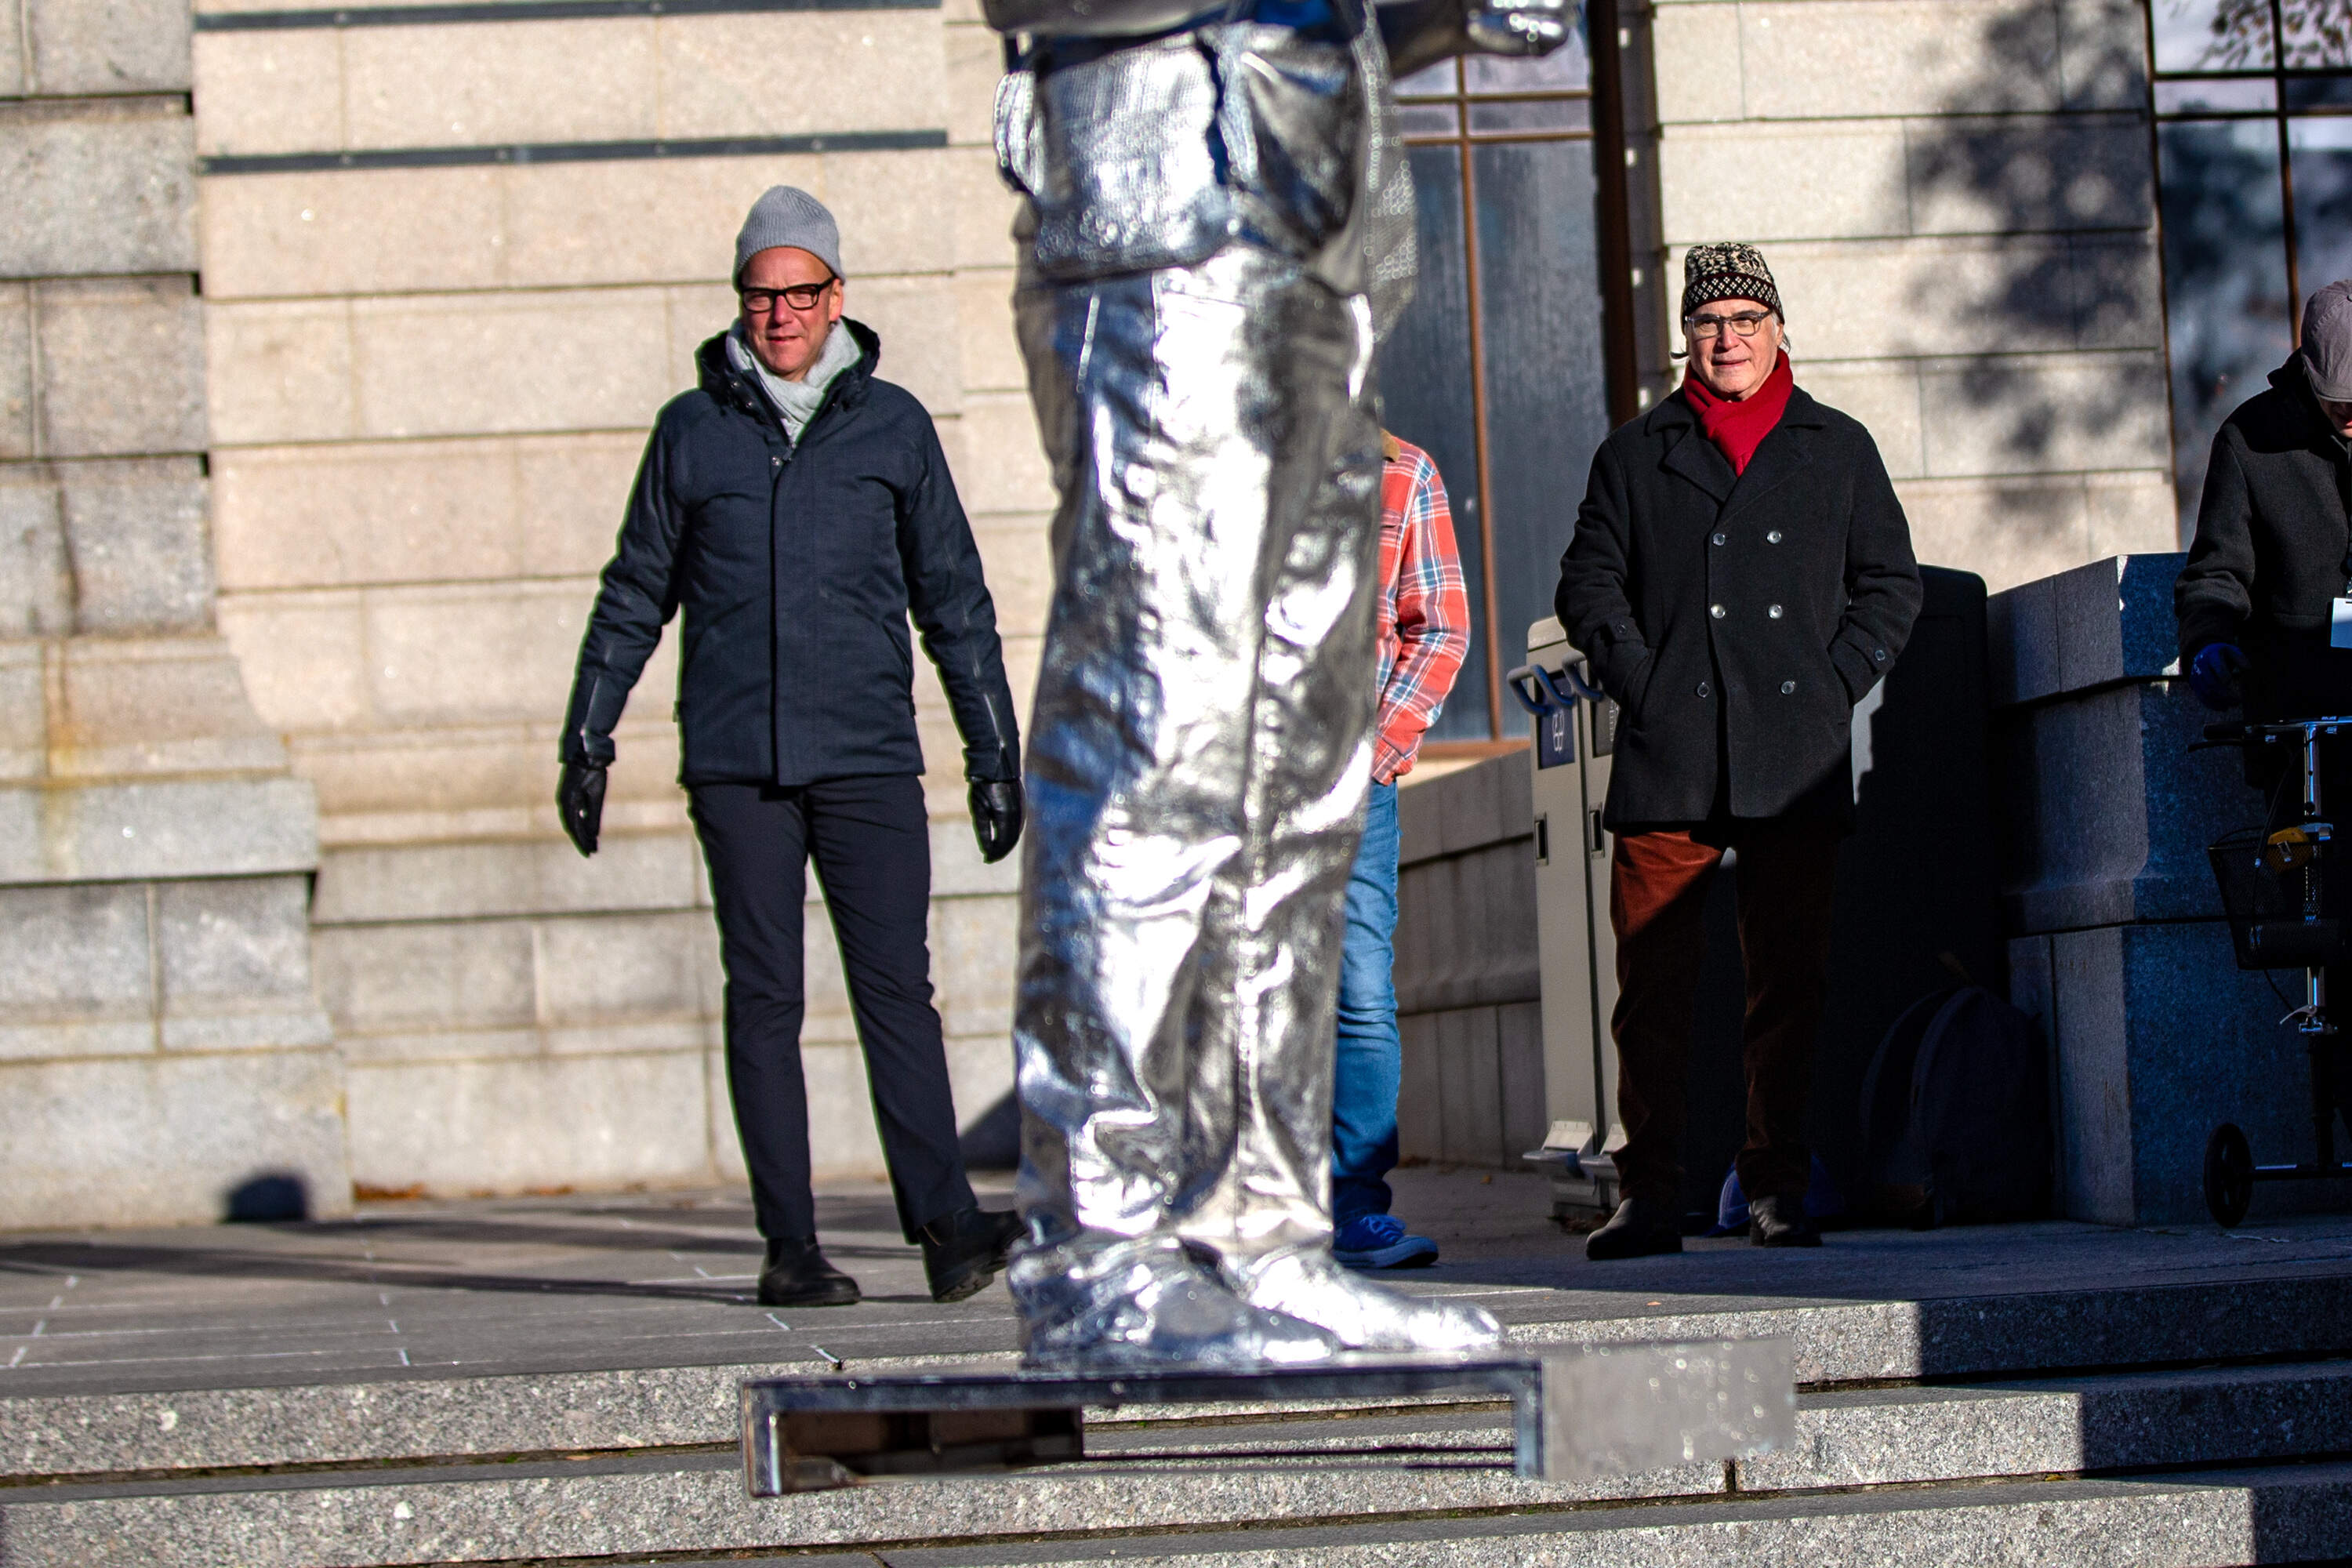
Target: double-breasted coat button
<point x="1787" y="687"/>
<point x="1774" y="612"/>
<point x="1715" y="610"/>
<point x="1878" y="654"/>
<point x="1773" y="537"/>
<point x="1717" y="539"/>
<point x="1702" y="690"/>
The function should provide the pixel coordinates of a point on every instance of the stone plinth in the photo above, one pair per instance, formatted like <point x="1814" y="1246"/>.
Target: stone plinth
<point x="2118" y="944"/>
<point x="163" y="1056"/>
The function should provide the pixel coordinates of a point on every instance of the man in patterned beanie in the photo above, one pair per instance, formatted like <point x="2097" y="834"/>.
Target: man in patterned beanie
<point x="1740" y="577"/>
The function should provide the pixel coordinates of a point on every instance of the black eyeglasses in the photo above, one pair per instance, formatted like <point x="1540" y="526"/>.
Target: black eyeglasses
<point x="1746" y="323"/>
<point x="800" y="296"/>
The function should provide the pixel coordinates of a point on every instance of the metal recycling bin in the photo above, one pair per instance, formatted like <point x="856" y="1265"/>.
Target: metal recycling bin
<point x="1575" y="734"/>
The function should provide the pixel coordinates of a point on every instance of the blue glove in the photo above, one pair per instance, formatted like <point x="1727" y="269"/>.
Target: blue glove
<point x="2214" y="674"/>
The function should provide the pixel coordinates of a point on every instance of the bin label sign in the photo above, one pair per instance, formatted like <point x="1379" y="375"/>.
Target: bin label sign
<point x="1556" y="736"/>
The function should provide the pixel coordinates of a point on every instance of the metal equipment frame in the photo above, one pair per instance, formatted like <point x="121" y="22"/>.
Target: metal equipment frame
<point x="2229" y="1172"/>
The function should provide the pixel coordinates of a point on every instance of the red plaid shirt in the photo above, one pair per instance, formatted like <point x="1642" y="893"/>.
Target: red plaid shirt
<point x="1425" y="615"/>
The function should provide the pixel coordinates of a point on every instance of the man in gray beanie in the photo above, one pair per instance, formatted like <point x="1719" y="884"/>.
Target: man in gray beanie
<point x="797" y="509"/>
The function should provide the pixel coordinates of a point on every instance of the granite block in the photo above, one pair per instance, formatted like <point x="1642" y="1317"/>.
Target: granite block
<point x="1470" y="1085"/>
<point x="161" y="829"/>
<point x="2108" y="621"/>
<point x="137" y="546"/>
<point x="164" y="1140"/>
<point x="431" y="881"/>
<point x="446" y="975"/>
<point x="609" y="970"/>
<point x="233" y="955"/>
<point x="2106" y="809"/>
<point x="695" y="1502"/>
<point x="126" y="706"/>
<point x="36" y="584"/>
<point x="105" y="46"/>
<point x="2172" y="1521"/>
<point x="122" y="367"/>
<point x="98" y="188"/>
<point x="24" y="717"/>
<point x="16" y="366"/>
<point x="506" y="1125"/>
<point x="12" y="48"/>
<point x="75" y="956"/>
<point x="2159" y="1037"/>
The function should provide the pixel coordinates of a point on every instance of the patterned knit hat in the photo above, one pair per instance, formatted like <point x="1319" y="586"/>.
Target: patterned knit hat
<point x="1729" y="271"/>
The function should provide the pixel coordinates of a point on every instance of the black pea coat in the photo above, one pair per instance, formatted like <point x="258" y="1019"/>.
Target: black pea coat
<point x="2272" y="551"/>
<point x="1737" y="619"/>
<point x="796" y="566"/>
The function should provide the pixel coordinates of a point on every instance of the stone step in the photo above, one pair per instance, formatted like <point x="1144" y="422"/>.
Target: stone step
<point x="2298" y="1514"/>
<point x="1160" y="1476"/>
<point x="428" y="1414"/>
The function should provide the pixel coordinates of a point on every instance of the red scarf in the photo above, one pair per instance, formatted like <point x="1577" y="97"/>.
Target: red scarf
<point x="1739" y="428"/>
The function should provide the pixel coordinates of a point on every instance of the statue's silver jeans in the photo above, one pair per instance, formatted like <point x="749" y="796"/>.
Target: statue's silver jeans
<point x="1199" y="346"/>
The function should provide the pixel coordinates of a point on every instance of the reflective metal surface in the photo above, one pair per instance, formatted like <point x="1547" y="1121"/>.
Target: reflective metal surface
<point x="1206" y="214"/>
<point x="1579" y="1412"/>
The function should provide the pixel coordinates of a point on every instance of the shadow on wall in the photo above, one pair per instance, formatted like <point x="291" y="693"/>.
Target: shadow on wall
<point x="2071" y="196"/>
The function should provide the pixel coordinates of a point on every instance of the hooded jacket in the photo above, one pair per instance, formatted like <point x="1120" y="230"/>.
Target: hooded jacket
<point x="793" y="567"/>
<point x="2273" y="548"/>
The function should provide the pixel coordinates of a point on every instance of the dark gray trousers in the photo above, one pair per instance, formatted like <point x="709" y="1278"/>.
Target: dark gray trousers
<point x="871" y="841"/>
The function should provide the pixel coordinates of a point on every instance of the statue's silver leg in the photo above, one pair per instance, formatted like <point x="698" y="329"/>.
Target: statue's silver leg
<point x="1198" y="764"/>
<point x="1199" y="744"/>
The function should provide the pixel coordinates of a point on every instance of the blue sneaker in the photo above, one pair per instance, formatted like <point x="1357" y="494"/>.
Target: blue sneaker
<point x="1381" y="1241"/>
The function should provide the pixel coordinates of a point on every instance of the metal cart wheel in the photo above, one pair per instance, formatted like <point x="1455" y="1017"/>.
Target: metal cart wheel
<point x="2229" y="1175"/>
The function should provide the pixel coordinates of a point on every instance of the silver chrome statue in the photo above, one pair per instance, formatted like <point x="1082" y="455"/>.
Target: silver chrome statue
<point x="1218" y="218"/>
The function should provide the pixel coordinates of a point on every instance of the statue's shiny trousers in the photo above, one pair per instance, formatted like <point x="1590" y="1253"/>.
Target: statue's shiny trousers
<point x="1198" y="757"/>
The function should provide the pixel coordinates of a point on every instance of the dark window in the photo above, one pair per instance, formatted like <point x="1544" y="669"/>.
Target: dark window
<point x="2253" y="139"/>
<point x="1497" y="370"/>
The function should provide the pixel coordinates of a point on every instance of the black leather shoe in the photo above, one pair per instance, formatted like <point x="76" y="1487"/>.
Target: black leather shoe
<point x="965" y="1250"/>
<point x="796" y="1275"/>
<point x="1640" y="1227"/>
<point x="1780" y="1222"/>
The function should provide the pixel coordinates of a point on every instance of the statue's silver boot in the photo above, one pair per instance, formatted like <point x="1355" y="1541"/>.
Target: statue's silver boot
<point x="1306" y="1284"/>
<point x="1148" y="1303"/>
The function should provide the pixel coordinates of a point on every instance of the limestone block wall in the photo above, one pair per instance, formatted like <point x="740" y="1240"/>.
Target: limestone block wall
<point x="454" y="267"/>
<point x="1957" y="199"/>
<point x="162" y="1054"/>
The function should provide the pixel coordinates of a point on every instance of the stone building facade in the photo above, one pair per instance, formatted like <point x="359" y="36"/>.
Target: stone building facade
<point x="331" y="346"/>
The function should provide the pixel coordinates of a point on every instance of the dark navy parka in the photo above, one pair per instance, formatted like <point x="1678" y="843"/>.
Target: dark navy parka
<point x="795" y="565"/>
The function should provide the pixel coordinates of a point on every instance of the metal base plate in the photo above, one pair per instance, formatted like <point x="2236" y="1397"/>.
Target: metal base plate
<point x="1579" y="1411"/>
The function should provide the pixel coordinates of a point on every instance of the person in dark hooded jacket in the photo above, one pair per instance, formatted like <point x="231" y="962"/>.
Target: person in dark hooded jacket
<point x="2272" y="553"/>
<point x="792" y="511"/>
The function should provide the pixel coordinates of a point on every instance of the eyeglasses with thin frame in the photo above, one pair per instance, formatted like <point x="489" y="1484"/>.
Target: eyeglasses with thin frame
<point x="799" y="296"/>
<point x="1746" y="323"/>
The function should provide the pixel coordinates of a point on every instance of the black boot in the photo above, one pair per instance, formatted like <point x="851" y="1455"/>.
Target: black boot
<point x="1780" y="1221"/>
<point x="796" y="1275"/>
<point x="964" y="1250"/>
<point x="1640" y="1227"/>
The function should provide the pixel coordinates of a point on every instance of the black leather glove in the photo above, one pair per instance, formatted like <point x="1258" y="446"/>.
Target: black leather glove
<point x="996" y="816"/>
<point x="580" y="798"/>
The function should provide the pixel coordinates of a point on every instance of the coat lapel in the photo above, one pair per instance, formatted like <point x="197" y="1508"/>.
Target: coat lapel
<point x="1695" y="458"/>
<point x="1786" y="453"/>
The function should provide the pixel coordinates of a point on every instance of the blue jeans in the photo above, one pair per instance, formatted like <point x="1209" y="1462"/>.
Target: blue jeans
<point x="1370" y="1067"/>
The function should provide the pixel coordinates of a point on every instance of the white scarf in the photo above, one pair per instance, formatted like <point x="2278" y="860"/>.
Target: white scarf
<point x="797" y="401"/>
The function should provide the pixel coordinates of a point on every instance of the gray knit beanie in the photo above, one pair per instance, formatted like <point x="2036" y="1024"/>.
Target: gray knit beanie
<point x="787" y="215"/>
<point x="1729" y="271"/>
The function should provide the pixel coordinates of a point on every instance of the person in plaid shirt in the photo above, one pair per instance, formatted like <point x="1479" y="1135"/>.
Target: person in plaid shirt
<point x="1424" y="630"/>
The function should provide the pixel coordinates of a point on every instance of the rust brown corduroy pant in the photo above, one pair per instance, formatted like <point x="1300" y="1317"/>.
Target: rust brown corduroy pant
<point x="1657" y="898"/>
